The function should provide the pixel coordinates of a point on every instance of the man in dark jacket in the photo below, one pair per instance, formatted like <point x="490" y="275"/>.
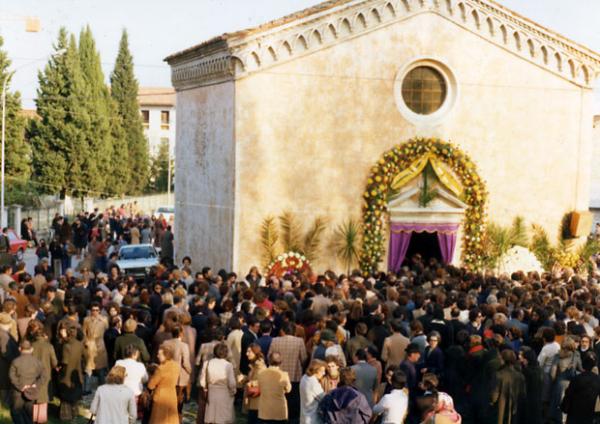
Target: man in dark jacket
<point x="580" y="397"/>
<point x="129" y="338"/>
<point x="365" y="375"/>
<point x="250" y="336"/>
<point x="26" y="376"/>
<point x="345" y="404"/>
<point x="409" y="367"/>
<point x="9" y="350"/>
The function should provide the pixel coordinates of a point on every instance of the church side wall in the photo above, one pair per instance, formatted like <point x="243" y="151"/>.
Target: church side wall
<point x="205" y="167"/>
<point x="308" y="131"/>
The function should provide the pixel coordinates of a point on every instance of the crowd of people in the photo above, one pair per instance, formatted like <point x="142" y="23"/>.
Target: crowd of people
<point x="430" y="344"/>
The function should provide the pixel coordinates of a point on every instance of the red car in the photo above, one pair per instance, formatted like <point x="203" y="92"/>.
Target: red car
<point x="17" y="245"/>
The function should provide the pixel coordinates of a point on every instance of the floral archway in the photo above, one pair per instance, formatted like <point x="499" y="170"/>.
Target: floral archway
<point x="403" y="163"/>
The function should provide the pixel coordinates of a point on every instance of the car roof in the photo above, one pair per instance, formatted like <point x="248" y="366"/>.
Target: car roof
<point x="133" y="246"/>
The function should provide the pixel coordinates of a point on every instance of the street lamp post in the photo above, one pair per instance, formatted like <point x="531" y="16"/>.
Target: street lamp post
<point x="2" y="214"/>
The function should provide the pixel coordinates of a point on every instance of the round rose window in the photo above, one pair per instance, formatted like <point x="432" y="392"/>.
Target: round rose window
<point x="424" y="90"/>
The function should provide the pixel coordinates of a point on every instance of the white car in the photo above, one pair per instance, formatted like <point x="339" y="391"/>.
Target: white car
<point x="137" y="259"/>
<point x="168" y="212"/>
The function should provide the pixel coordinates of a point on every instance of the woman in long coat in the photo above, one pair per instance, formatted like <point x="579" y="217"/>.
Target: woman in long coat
<point x="163" y="382"/>
<point x="44" y="352"/>
<point x="96" y="356"/>
<point x="218" y="377"/>
<point x="70" y="383"/>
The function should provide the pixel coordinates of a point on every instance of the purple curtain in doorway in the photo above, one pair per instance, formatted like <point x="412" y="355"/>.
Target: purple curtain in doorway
<point x="400" y="235"/>
<point x="399" y="242"/>
<point x="447" y="244"/>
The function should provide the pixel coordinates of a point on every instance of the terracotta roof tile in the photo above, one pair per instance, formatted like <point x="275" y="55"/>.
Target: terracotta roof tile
<point x="156" y="96"/>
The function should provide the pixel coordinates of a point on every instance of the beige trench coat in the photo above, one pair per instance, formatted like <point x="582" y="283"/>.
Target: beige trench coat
<point x="221" y="391"/>
<point x="96" y="356"/>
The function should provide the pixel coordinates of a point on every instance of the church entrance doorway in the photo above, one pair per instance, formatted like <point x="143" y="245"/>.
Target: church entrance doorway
<point x="425" y="244"/>
<point x="431" y="230"/>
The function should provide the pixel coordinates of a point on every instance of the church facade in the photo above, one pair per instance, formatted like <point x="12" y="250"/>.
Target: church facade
<point x="412" y="116"/>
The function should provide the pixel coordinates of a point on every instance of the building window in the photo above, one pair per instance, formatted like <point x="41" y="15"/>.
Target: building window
<point x="424" y="90"/>
<point x="146" y="118"/>
<point x="164" y="119"/>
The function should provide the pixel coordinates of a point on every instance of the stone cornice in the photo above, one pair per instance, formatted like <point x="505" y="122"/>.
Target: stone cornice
<point x="236" y="55"/>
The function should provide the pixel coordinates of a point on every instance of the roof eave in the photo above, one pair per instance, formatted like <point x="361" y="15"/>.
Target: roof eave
<point x="205" y="49"/>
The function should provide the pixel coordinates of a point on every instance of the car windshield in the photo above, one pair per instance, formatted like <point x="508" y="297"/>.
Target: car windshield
<point x="165" y="210"/>
<point x="138" y="252"/>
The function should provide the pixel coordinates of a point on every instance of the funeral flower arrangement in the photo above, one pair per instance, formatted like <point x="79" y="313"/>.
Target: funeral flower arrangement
<point x="378" y="191"/>
<point x="519" y="258"/>
<point x="288" y="263"/>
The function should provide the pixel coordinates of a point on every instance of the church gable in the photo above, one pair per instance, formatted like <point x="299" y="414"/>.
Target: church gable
<point x="233" y="56"/>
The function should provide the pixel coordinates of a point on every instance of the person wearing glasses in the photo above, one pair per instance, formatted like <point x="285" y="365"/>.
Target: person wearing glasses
<point x="433" y="357"/>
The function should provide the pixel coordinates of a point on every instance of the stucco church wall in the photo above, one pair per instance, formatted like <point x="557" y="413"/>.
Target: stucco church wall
<point x="595" y="189"/>
<point x="308" y="131"/>
<point x="204" y="191"/>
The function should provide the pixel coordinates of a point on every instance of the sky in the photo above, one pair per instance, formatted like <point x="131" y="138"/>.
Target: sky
<point x="159" y="28"/>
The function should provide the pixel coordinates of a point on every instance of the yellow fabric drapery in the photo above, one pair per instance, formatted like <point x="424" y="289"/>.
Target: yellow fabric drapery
<point x="415" y="169"/>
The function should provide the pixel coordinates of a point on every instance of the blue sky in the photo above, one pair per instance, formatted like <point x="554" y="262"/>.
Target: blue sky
<point x="159" y="28"/>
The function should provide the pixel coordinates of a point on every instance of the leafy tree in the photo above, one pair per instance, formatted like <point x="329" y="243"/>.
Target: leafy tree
<point x="124" y="89"/>
<point x="159" y="169"/>
<point x="16" y="149"/>
<point x="97" y="102"/>
<point x="61" y="156"/>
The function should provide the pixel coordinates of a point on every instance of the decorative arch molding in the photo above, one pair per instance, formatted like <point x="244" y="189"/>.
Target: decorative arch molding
<point x="379" y="189"/>
<point x="349" y="19"/>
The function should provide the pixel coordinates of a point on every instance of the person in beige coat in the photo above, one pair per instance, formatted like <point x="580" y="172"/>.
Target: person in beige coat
<point x="394" y="346"/>
<point x="273" y="384"/>
<point x="218" y="376"/>
<point x="181" y="356"/>
<point x="96" y="356"/>
<point x="257" y="364"/>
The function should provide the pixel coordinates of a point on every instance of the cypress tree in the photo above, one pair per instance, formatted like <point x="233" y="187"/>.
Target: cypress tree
<point x="17" y="152"/>
<point x="61" y="157"/>
<point x="118" y="179"/>
<point x="97" y="104"/>
<point x="124" y="89"/>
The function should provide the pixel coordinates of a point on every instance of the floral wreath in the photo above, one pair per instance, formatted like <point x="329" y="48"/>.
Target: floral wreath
<point x="288" y="263"/>
<point x="379" y="189"/>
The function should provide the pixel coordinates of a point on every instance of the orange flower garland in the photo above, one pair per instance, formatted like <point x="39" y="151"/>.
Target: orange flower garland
<point x="378" y="190"/>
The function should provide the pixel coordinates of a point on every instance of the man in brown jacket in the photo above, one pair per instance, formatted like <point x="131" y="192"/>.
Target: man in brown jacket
<point x="394" y="346"/>
<point x="26" y="376"/>
<point x="273" y="384"/>
<point x="293" y="353"/>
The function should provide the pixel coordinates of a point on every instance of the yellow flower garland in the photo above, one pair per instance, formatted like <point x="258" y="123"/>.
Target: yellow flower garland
<point x="378" y="189"/>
